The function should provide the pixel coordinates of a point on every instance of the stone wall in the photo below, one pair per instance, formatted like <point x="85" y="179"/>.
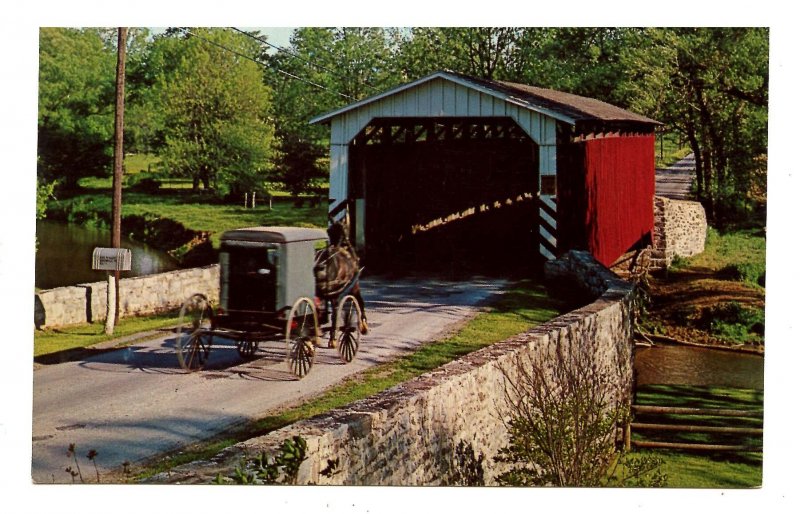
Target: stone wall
<point x="138" y="296"/>
<point x="680" y="228"/>
<point x="409" y="434"/>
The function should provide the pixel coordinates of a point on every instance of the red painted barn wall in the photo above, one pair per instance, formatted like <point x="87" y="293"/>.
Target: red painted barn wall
<point x="619" y="189"/>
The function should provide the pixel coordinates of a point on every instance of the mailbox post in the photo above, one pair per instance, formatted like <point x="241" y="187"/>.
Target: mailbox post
<point x="111" y="260"/>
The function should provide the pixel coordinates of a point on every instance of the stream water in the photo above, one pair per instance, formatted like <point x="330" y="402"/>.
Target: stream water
<point x="64" y="255"/>
<point x="698" y="366"/>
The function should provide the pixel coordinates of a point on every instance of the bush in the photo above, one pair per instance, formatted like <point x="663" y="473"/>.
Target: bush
<point x="734" y="323"/>
<point x="562" y="412"/>
<point x="143" y="183"/>
<point x="84" y="212"/>
<point x="679" y="262"/>
<point x="750" y="272"/>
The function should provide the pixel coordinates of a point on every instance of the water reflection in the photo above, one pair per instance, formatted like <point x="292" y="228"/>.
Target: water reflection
<point x="698" y="366"/>
<point x="64" y="255"/>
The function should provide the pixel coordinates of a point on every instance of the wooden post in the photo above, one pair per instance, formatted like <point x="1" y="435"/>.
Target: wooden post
<point x="111" y="317"/>
<point x="627" y="436"/>
<point x="116" y="201"/>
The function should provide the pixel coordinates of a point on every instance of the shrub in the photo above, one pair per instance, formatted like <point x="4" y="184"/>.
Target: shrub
<point x="733" y="322"/>
<point x="143" y="183"/>
<point x="84" y="212"/>
<point x="562" y="412"/>
<point x="679" y="262"/>
<point x="749" y="272"/>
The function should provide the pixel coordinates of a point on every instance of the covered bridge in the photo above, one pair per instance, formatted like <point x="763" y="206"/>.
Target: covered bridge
<point x="453" y="168"/>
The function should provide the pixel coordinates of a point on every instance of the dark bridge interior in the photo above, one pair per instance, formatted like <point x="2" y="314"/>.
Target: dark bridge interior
<point x="452" y="194"/>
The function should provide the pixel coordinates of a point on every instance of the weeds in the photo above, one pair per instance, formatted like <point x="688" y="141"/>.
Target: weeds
<point x="75" y="472"/>
<point x="268" y="470"/>
<point x="467" y="466"/>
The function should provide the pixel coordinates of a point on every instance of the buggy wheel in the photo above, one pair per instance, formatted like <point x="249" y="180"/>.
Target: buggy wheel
<point x="349" y="318"/>
<point x="192" y="337"/>
<point x="302" y="331"/>
<point x="246" y="348"/>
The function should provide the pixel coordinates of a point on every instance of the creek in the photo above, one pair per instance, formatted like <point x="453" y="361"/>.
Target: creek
<point x="64" y="255"/>
<point x="686" y="365"/>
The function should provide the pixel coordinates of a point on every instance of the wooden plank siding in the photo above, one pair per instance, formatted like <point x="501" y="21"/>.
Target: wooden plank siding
<point x="339" y="174"/>
<point x="439" y="98"/>
<point x="601" y="199"/>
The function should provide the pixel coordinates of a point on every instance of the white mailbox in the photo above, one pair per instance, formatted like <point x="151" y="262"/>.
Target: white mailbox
<point x="111" y="259"/>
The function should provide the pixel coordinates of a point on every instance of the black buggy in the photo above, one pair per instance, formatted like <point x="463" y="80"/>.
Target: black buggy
<point x="277" y="284"/>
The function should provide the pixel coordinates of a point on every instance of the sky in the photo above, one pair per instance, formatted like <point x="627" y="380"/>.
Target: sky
<point x="276" y="35"/>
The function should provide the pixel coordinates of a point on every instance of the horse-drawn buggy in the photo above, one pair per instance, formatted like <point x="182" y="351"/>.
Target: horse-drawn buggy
<point x="277" y="284"/>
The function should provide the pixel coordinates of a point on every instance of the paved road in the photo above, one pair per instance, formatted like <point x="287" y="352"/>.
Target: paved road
<point x="135" y="403"/>
<point x="676" y="181"/>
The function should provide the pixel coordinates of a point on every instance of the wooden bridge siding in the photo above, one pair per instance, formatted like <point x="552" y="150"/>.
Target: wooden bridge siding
<point x="442" y="98"/>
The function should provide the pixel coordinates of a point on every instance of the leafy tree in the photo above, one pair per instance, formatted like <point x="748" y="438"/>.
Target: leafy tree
<point x="44" y="192"/>
<point x="143" y="121"/>
<point x="215" y="109"/>
<point x="710" y="85"/>
<point x="580" y="60"/>
<point x="76" y="99"/>
<point x="484" y="52"/>
<point x="323" y="69"/>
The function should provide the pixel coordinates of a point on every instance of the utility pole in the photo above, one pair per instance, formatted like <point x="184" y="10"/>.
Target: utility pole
<point x="116" y="202"/>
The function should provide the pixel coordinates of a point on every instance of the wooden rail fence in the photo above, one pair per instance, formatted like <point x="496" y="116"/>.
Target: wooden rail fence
<point x="682" y="427"/>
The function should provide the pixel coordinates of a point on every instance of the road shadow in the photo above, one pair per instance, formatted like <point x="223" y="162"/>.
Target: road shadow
<point x="224" y="361"/>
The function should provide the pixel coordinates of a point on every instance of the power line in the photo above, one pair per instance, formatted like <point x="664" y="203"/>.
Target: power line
<point x="236" y="52"/>
<point x="296" y="56"/>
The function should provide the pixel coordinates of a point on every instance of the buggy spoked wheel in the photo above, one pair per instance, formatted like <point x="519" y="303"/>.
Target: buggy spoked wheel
<point x="302" y="332"/>
<point x="247" y="349"/>
<point x="192" y="337"/>
<point x="349" y="319"/>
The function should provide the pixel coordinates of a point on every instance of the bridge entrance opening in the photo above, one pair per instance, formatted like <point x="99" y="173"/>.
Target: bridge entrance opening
<point x="446" y="194"/>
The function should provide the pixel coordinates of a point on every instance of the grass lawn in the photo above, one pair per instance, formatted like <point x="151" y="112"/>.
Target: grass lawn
<point x="741" y="253"/>
<point x="196" y="212"/>
<point x="65" y="340"/>
<point x="705" y="470"/>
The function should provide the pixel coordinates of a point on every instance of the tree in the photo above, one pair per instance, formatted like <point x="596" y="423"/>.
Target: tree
<point x="483" y="52"/>
<point x="580" y="60"/>
<point x="76" y="98"/>
<point x="710" y="85"/>
<point x="142" y="120"/>
<point x="323" y="69"/>
<point x="44" y="192"/>
<point x="215" y="108"/>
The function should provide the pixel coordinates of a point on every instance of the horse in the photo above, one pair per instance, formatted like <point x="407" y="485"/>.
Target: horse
<point x="336" y="271"/>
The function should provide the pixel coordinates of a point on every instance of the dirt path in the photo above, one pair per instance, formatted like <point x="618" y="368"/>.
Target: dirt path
<point x="680" y="299"/>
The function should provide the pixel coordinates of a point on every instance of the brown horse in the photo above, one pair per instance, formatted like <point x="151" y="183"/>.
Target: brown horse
<point x="336" y="269"/>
